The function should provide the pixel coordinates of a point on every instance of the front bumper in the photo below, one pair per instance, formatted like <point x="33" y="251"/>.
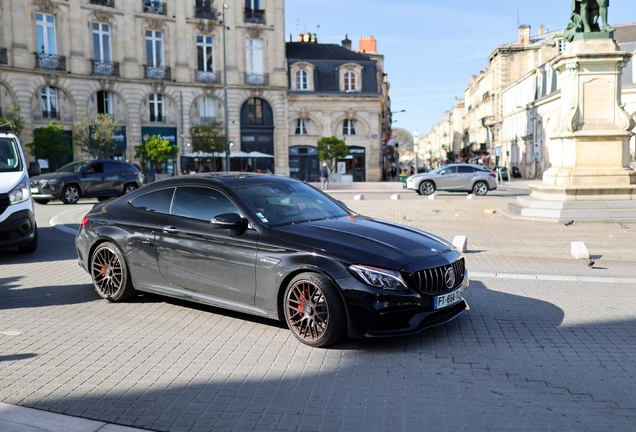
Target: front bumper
<point x="374" y="312"/>
<point x="17" y="229"/>
<point x="45" y="191"/>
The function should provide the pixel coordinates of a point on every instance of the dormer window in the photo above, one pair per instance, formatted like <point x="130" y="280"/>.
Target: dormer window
<point x="302" y="80"/>
<point x="350" y="81"/>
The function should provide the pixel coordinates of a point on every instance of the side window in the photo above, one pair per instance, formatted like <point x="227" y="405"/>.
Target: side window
<point x="112" y="167"/>
<point x="449" y="170"/>
<point x="201" y="203"/>
<point x="465" y="169"/>
<point x="155" y="202"/>
<point x="96" y="167"/>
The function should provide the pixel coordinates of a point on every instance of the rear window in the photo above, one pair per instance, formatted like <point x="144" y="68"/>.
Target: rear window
<point x="154" y="202"/>
<point x="10" y="160"/>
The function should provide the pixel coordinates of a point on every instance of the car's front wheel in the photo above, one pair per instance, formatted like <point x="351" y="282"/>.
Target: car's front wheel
<point x="314" y="310"/>
<point x="110" y="273"/>
<point x="71" y="194"/>
<point x="129" y="188"/>
<point x="480" y="188"/>
<point x="426" y="187"/>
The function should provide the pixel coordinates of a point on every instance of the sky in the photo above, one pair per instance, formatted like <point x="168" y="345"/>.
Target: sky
<point x="432" y="48"/>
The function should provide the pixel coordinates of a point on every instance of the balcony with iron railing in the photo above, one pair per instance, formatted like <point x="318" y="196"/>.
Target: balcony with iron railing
<point x="158" y="118"/>
<point x="155" y="7"/>
<point x="206" y="120"/>
<point x="52" y="115"/>
<point x="203" y="9"/>
<point x="157" y="72"/>
<point x="50" y="61"/>
<point x="256" y="79"/>
<point x="100" y="67"/>
<point x="4" y="59"/>
<point x="254" y="16"/>
<point x="208" y="77"/>
<point x="109" y="3"/>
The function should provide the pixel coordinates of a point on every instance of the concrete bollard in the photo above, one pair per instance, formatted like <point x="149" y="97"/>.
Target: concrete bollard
<point x="395" y="196"/>
<point x="358" y="197"/>
<point x="432" y="196"/>
<point x="461" y="243"/>
<point x="579" y="250"/>
<point x="470" y="196"/>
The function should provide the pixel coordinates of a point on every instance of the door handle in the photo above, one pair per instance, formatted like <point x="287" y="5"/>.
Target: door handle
<point x="170" y="230"/>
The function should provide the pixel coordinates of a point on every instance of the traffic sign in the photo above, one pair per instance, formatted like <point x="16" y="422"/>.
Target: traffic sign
<point x="536" y="155"/>
<point x="498" y="151"/>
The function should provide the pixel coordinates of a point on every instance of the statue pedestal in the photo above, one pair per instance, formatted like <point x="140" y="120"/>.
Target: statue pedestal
<point x="589" y="139"/>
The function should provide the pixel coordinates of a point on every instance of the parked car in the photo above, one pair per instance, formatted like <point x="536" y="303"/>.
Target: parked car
<point x="274" y="247"/>
<point x="17" y="213"/>
<point x="101" y="179"/>
<point x="455" y="178"/>
<point x="504" y="172"/>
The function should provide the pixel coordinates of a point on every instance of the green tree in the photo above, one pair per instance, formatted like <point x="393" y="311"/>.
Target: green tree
<point x="51" y="144"/>
<point x="15" y="119"/>
<point x="155" y="151"/>
<point x="404" y="138"/>
<point x="208" y="138"/>
<point x="96" y="135"/>
<point x="330" y="149"/>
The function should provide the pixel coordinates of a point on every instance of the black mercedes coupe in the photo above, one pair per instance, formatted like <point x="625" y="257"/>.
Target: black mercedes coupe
<point x="274" y="247"/>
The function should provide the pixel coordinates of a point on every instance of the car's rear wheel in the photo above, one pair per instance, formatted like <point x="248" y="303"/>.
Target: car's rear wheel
<point x="110" y="273"/>
<point x="427" y="187"/>
<point x="71" y="194"/>
<point x="480" y="188"/>
<point x="129" y="188"/>
<point x="314" y="310"/>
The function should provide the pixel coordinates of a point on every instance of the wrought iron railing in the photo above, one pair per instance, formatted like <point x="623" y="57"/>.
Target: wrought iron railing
<point x="100" y="67"/>
<point x="254" y="16"/>
<point x="4" y="59"/>
<point x="109" y="3"/>
<point x="207" y="120"/>
<point x="159" y="118"/>
<point x="155" y="7"/>
<point x="203" y="9"/>
<point x="50" y="61"/>
<point x="157" y="72"/>
<point x="208" y="77"/>
<point x="53" y="114"/>
<point x="256" y="79"/>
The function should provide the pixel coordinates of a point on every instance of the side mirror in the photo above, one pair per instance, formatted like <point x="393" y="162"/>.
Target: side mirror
<point x="232" y="221"/>
<point x="34" y="169"/>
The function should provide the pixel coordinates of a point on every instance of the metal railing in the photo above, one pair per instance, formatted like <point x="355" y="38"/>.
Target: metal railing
<point x="208" y="77"/>
<point x="50" y="61"/>
<point x="54" y="115"/>
<point x="207" y="120"/>
<point x="256" y="79"/>
<point x="155" y="7"/>
<point x="159" y="118"/>
<point x="157" y="72"/>
<point x="254" y="16"/>
<point x="203" y="9"/>
<point x="100" y="67"/>
<point x="109" y="3"/>
<point x="4" y="59"/>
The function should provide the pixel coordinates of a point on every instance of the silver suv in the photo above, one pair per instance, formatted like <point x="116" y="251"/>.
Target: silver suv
<point x="454" y="177"/>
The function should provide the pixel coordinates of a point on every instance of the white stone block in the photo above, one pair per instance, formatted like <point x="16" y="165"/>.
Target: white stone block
<point x="358" y="197"/>
<point x="395" y="196"/>
<point x="579" y="250"/>
<point x="432" y="196"/>
<point x="461" y="243"/>
<point x="470" y="196"/>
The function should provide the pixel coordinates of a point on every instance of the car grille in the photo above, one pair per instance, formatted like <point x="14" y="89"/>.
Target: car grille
<point x="4" y="202"/>
<point x="431" y="281"/>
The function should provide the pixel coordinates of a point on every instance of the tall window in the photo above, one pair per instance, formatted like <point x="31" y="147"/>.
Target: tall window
<point x="49" y="103"/>
<point x="561" y="45"/>
<point x="206" y="109"/>
<point x="105" y="102"/>
<point x="350" y="81"/>
<point x="302" y="80"/>
<point x="255" y="111"/>
<point x="101" y="42"/>
<point x="252" y="4"/>
<point x="154" y="48"/>
<point x="254" y="52"/>
<point x="301" y="127"/>
<point x="156" y="108"/>
<point x="205" y="52"/>
<point x="349" y="127"/>
<point x="46" y="33"/>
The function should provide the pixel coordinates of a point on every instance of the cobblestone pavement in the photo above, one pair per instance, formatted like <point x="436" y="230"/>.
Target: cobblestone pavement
<point x="529" y="355"/>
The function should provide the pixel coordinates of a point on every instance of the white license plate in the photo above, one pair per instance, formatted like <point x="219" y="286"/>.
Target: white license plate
<point x="35" y="190"/>
<point x="447" y="299"/>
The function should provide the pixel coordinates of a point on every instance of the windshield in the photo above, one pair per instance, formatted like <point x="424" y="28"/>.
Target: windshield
<point x="438" y="169"/>
<point x="281" y="203"/>
<point x="72" y="167"/>
<point x="10" y="160"/>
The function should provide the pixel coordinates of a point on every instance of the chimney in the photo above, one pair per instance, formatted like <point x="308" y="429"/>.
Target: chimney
<point x="541" y="30"/>
<point x="346" y="43"/>
<point x="524" y="34"/>
<point x="300" y="36"/>
<point x="368" y="44"/>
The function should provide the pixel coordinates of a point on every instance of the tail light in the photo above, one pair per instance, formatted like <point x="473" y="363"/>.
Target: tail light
<point x="492" y="175"/>
<point x="84" y="221"/>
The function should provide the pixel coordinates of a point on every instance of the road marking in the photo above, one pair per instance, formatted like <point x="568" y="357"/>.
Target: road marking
<point x="479" y="275"/>
<point x="54" y="222"/>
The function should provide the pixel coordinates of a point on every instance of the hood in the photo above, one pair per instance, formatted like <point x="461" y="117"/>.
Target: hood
<point x="8" y="180"/>
<point x="363" y="240"/>
<point x="53" y="176"/>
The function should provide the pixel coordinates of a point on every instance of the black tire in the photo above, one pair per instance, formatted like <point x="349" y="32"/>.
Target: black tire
<point x="41" y="201"/>
<point x="31" y="246"/>
<point x="480" y="188"/>
<point x="129" y="188"/>
<point x="71" y="194"/>
<point x="314" y="311"/>
<point x="427" y="187"/>
<point x="110" y="275"/>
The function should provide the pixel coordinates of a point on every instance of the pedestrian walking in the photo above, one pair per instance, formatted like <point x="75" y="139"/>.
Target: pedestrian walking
<point x="324" y="176"/>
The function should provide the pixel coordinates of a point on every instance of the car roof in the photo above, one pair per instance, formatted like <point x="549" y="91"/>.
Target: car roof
<point x="228" y="178"/>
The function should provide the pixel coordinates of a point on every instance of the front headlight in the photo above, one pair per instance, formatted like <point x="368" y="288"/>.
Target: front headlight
<point x="21" y="192"/>
<point x="379" y="277"/>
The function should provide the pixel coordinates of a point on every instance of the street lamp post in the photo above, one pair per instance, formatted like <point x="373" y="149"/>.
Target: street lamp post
<point x="227" y="139"/>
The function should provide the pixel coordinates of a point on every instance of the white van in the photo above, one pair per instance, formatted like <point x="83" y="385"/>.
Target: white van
<point x="17" y="214"/>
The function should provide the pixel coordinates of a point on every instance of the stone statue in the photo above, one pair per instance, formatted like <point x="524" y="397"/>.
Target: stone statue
<point x="585" y="18"/>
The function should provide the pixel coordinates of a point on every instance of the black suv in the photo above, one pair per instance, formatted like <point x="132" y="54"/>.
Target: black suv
<point x="101" y="179"/>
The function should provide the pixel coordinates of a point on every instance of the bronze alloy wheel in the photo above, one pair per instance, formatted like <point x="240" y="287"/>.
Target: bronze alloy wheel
<point x="109" y="273"/>
<point x="313" y="310"/>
